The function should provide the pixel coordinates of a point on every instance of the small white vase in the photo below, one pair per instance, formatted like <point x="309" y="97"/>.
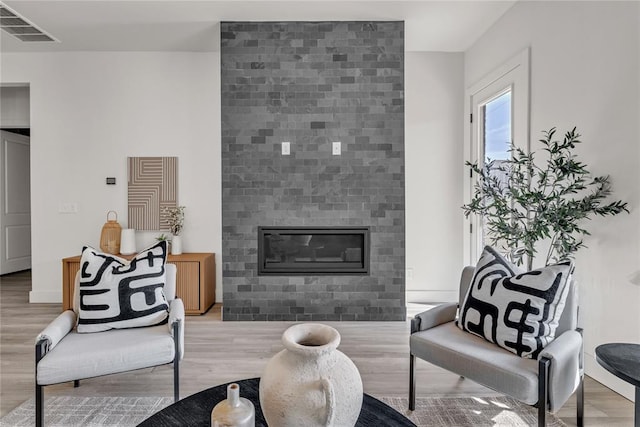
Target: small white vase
<point x="235" y="411"/>
<point x="310" y="383"/>
<point x="176" y="245"/>
<point x="128" y="241"/>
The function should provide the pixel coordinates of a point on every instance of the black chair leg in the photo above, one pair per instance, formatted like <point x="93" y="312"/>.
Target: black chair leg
<point x="176" y="379"/>
<point x="39" y="406"/>
<point x="412" y="382"/>
<point x="176" y="361"/>
<point x="543" y="390"/>
<point x="40" y="352"/>
<point x="76" y="383"/>
<point x="580" y="403"/>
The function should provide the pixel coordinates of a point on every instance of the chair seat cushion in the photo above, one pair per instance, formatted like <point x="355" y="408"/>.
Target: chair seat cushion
<point x="80" y="356"/>
<point x="479" y="360"/>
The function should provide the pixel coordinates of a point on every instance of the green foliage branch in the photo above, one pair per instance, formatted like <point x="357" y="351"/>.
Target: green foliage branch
<point x="522" y="203"/>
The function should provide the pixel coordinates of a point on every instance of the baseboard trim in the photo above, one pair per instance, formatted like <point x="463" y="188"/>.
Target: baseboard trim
<point x="38" y="297"/>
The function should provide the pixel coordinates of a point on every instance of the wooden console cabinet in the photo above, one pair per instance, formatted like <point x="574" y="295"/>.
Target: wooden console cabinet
<point x="195" y="280"/>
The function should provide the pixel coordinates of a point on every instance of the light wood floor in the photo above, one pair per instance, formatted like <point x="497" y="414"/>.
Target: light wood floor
<point x="219" y="352"/>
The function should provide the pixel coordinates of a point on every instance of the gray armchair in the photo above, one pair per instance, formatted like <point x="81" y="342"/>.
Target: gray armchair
<point x="64" y="355"/>
<point x="546" y="382"/>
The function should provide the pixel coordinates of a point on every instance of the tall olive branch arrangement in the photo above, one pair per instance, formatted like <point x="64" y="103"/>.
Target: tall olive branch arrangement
<point x="522" y="203"/>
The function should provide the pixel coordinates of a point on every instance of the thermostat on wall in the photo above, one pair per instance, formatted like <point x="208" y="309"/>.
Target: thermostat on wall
<point x="111" y="181"/>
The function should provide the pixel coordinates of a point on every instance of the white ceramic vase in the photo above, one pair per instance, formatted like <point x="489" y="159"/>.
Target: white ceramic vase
<point x="176" y="245"/>
<point x="310" y="383"/>
<point x="128" y="241"/>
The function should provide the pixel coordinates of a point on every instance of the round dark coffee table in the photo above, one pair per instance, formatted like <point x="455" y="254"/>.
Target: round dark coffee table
<point x="623" y="361"/>
<point x="195" y="410"/>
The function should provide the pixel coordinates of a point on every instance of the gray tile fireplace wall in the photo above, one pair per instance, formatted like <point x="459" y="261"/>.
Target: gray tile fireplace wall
<point x="312" y="84"/>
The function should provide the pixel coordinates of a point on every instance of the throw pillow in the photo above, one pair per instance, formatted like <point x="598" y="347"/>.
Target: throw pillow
<point x="516" y="310"/>
<point x="116" y="293"/>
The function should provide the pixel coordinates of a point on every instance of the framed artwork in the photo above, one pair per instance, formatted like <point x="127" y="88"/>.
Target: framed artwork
<point x="152" y="186"/>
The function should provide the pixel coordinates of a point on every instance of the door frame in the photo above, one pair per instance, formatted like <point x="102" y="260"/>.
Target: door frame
<point x="514" y="74"/>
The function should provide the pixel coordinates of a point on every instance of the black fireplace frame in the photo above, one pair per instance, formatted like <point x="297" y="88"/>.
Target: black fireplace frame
<point x="313" y="268"/>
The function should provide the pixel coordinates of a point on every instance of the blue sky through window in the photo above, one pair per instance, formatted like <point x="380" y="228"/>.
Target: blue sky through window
<point x="497" y="128"/>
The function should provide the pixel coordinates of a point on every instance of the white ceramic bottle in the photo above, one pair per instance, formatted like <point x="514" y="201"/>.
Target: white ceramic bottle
<point x="235" y="411"/>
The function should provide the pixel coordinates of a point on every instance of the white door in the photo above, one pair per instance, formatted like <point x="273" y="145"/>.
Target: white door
<point x="15" y="204"/>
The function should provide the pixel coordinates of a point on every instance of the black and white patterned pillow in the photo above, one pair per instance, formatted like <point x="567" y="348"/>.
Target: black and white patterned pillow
<point x="116" y="293"/>
<point x="516" y="310"/>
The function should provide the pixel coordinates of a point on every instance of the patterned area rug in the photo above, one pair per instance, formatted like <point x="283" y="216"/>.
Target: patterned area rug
<point x="63" y="411"/>
<point x="470" y="411"/>
<point x="66" y="411"/>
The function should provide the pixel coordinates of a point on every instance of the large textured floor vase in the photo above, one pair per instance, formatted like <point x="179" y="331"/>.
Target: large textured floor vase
<point x="311" y="383"/>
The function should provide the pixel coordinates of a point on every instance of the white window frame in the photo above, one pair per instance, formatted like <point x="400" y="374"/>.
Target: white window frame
<point x="512" y="75"/>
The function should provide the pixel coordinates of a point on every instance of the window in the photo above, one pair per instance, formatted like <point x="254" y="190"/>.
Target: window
<point x="498" y="108"/>
<point x="497" y="128"/>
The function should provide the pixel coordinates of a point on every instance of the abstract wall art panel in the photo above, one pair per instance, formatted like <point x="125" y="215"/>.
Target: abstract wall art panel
<point x="153" y="186"/>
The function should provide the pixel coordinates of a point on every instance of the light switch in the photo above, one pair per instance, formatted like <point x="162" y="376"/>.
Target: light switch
<point x="337" y="149"/>
<point x="68" y="207"/>
<point x="286" y="148"/>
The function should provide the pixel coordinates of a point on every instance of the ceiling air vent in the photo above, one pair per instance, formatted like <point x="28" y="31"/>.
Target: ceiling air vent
<point x="20" y="28"/>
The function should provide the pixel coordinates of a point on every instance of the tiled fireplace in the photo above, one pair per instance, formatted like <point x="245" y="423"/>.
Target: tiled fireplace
<point x="312" y="84"/>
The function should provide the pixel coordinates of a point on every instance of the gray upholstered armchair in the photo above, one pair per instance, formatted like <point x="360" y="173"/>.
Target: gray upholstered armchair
<point x="64" y="355"/>
<point x="546" y="382"/>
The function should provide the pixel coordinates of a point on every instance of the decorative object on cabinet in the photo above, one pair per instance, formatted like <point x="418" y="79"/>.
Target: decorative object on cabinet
<point x="110" y="236"/>
<point x="164" y="237"/>
<point x="195" y="281"/>
<point x="128" y="241"/>
<point x="176" y="245"/>
<point x="175" y="219"/>
<point x="153" y="187"/>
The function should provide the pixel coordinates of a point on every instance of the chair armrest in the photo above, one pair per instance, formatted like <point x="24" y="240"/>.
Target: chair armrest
<point x="57" y="329"/>
<point x="176" y="314"/>
<point x="435" y="316"/>
<point x="564" y="352"/>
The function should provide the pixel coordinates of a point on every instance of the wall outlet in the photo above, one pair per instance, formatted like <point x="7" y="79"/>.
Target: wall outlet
<point x="286" y="148"/>
<point x="68" y="207"/>
<point x="336" y="148"/>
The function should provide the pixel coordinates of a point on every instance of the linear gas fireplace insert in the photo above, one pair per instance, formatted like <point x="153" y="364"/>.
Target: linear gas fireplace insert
<point x="287" y="251"/>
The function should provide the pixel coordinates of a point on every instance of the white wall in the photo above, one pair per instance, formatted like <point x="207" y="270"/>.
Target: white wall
<point x="434" y="90"/>
<point x="14" y="106"/>
<point x="89" y="112"/>
<point x="585" y="72"/>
